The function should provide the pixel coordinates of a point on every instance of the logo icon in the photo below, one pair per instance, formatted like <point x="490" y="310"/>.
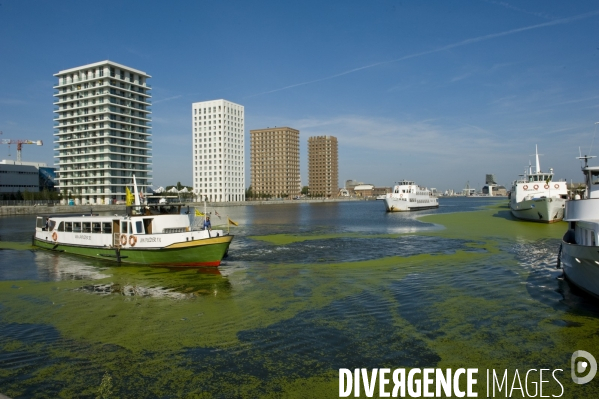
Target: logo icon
<point x="581" y="366"/>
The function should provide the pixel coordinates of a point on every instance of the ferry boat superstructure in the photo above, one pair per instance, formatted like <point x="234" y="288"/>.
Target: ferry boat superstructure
<point x="579" y="251"/>
<point x="408" y="196"/>
<point x="147" y="234"/>
<point x="538" y="197"/>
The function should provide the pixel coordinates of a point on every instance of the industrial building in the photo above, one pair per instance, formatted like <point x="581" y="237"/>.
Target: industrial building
<point x="18" y="177"/>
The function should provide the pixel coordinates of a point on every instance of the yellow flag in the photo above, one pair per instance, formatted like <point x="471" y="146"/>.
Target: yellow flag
<point x="128" y="197"/>
<point x="232" y="222"/>
<point x="198" y="213"/>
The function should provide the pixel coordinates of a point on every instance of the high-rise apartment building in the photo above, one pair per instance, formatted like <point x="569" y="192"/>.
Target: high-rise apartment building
<point x="323" y="166"/>
<point x="218" y="151"/>
<point x="102" y="131"/>
<point x="274" y="160"/>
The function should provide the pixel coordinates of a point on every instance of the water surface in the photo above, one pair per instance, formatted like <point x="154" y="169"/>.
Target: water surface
<point x="307" y="289"/>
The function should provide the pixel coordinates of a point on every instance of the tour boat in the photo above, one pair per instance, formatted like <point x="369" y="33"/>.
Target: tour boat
<point x="148" y="234"/>
<point x="579" y="251"/>
<point x="537" y="197"/>
<point x="407" y="196"/>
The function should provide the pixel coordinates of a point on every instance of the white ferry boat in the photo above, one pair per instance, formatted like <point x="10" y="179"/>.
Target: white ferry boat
<point x="579" y="251"/>
<point x="148" y="234"/>
<point x="537" y="197"/>
<point x="407" y="196"/>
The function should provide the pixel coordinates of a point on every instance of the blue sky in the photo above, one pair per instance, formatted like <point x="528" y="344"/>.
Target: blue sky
<point x="440" y="92"/>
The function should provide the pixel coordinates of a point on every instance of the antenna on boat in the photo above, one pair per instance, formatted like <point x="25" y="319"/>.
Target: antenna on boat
<point x="593" y="140"/>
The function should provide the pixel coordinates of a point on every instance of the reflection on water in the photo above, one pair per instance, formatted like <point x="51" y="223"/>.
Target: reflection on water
<point x="282" y="319"/>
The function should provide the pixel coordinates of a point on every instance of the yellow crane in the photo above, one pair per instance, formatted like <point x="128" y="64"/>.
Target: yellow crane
<point x="19" y="143"/>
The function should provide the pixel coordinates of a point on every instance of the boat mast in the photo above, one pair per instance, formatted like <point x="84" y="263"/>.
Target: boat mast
<point x="135" y="192"/>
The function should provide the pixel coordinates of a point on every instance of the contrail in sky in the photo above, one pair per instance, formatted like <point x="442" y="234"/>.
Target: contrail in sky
<point x="447" y="47"/>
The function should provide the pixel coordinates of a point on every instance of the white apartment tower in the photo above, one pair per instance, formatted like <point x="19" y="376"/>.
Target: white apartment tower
<point x="102" y="131"/>
<point x="218" y="151"/>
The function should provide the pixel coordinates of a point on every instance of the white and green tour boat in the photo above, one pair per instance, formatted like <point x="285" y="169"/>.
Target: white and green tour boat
<point x="148" y="234"/>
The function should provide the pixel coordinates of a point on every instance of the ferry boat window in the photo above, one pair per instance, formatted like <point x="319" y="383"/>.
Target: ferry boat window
<point x="595" y="177"/>
<point x="130" y="229"/>
<point x="87" y="227"/>
<point x="106" y="227"/>
<point x="76" y="227"/>
<point x="96" y="227"/>
<point x="68" y="226"/>
<point x="61" y="226"/>
<point x="124" y="228"/>
<point x="139" y="228"/>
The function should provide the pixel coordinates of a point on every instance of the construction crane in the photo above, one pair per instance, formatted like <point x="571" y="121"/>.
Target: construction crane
<point x="19" y="143"/>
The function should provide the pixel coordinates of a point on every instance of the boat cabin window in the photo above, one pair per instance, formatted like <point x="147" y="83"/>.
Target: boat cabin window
<point x="39" y="223"/>
<point x="139" y="227"/>
<point x="68" y="226"/>
<point x="96" y="227"/>
<point x="87" y="227"/>
<point x="76" y="227"/>
<point x="124" y="228"/>
<point x="106" y="227"/>
<point x="61" y="226"/>
<point x="594" y="177"/>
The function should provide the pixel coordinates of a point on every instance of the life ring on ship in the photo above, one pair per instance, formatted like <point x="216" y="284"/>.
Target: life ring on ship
<point x="525" y="187"/>
<point x="54" y="236"/>
<point x="124" y="239"/>
<point x="132" y="240"/>
<point x="546" y="186"/>
<point x="536" y="187"/>
<point x="556" y="186"/>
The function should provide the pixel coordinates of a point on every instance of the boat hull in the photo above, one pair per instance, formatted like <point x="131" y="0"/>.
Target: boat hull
<point x="580" y="266"/>
<point x="205" y="252"/>
<point x="399" y="205"/>
<point x="542" y="210"/>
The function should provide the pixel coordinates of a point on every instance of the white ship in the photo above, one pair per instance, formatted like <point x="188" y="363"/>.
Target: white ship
<point x="407" y="196"/>
<point x="579" y="252"/>
<point x="537" y="197"/>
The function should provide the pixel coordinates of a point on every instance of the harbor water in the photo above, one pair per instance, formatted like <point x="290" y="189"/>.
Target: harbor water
<point x="307" y="289"/>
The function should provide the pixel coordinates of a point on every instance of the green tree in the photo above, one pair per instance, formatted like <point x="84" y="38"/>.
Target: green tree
<point x="305" y="190"/>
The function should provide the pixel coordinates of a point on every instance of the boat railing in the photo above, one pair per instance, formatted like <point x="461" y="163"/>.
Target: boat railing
<point x="156" y="209"/>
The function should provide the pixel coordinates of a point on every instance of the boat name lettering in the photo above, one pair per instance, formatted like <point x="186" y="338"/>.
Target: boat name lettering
<point x="83" y="237"/>
<point x="150" y="239"/>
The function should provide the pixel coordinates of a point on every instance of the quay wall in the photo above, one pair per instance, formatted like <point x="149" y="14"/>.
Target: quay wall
<point x="12" y="210"/>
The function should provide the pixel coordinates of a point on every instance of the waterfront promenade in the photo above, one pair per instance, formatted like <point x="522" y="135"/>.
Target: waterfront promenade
<point x="7" y="210"/>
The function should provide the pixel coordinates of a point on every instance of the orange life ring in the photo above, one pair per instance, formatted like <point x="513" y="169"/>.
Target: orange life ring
<point x="556" y="186"/>
<point x="525" y="187"/>
<point x="546" y="186"/>
<point x="123" y="239"/>
<point x="536" y="187"/>
<point x="54" y="236"/>
<point x="132" y="240"/>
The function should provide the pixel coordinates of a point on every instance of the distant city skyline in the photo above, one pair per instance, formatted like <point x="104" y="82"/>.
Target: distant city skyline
<point x="440" y="92"/>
